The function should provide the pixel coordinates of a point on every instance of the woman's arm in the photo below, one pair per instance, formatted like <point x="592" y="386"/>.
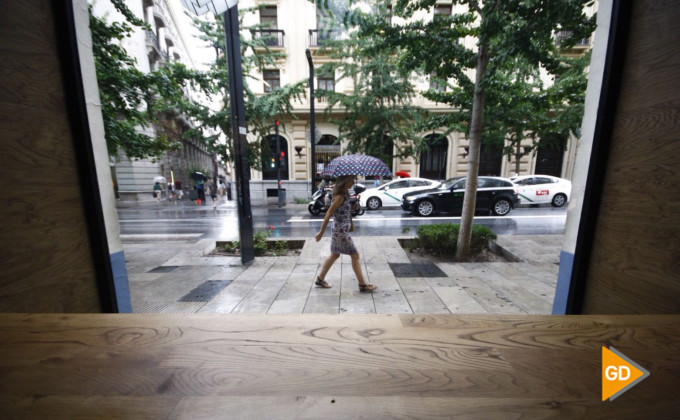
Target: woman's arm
<point x="337" y="202"/>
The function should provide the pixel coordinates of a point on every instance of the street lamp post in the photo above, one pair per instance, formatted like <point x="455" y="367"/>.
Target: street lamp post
<point x="312" y="136"/>
<point x="239" y="128"/>
<point x="278" y="165"/>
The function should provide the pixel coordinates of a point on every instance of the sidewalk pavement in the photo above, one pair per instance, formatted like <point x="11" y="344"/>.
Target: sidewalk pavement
<point x="173" y="277"/>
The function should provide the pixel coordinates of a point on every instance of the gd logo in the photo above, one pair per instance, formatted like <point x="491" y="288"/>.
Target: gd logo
<point x="619" y="373"/>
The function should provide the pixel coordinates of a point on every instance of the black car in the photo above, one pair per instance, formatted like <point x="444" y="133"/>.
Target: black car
<point x="495" y="194"/>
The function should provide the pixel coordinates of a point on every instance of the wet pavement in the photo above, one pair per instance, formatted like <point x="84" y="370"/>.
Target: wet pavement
<point x="169" y="271"/>
<point x="185" y="221"/>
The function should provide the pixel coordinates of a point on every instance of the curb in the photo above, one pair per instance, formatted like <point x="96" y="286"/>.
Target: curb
<point x="504" y="252"/>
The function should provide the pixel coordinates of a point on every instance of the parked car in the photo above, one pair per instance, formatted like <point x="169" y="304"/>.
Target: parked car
<point x="538" y="189"/>
<point x="495" y="194"/>
<point x="389" y="194"/>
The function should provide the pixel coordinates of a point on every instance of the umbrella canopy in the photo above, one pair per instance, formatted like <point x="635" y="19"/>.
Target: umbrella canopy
<point x="356" y="165"/>
<point x="402" y="174"/>
<point x="198" y="175"/>
<point x="160" y="179"/>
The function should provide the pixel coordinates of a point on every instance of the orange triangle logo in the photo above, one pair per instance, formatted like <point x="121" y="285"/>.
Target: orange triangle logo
<point x="619" y="373"/>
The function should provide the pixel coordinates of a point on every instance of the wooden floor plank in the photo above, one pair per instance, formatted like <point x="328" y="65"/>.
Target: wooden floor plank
<point x="318" y="366"/>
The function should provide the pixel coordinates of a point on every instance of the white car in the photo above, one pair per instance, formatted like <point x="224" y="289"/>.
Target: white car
<point x="539" y="189"/>
<point x="390" y="194"/>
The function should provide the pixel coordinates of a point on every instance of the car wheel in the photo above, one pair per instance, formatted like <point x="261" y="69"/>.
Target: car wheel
<point x="501" y="207"/>
<point x="313" y="210"/>
<point x="559" y="200"/>
<point x="425" y="208"/>
<point x="373" y="203"/>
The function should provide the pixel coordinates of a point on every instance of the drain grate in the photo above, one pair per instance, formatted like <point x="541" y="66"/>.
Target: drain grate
<point x="205" y="291"/>
<point x="164" y="269"/>
<point x="416" y="270"/>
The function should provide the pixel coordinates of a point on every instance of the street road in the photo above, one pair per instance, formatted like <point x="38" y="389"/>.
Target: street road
<point x="188" y="222"/>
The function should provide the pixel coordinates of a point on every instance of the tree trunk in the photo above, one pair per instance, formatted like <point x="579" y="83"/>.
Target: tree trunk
<point x="463" y="246"/>
<point x="518" y="155"/>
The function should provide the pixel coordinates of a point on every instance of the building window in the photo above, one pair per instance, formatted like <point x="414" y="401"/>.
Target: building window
<point x="269" y="157"/>
<point x="327" y="149"/>
<point x="549" y="160"/>
<point x="433" y="161"/>
<point x="268" y="16"/>
<point x="389" y="14"/>
<point x="442" y="9"/>
<point x="272" y="80"/>
<point x="326" y="83"/>
<point x="490" y="160"/>
<point x="437" y="84"/>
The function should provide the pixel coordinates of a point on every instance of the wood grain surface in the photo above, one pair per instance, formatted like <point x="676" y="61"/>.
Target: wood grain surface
<point x="317" y="366"/>
<point x="46" y="261"/>
<point x="635" y="262"/>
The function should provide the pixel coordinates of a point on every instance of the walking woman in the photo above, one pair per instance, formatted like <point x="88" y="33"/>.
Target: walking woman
<point x="341" y="242"/>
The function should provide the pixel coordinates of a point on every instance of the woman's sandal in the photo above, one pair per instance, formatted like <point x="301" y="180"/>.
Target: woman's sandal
<point x="367" y="287"/>
<point x="322" y="283"/>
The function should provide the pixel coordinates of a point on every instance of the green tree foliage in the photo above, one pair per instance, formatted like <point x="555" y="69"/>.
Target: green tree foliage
<point x="505" y="32"/>
<point x="376" y="117"/>
<point x="261" y="110"/>
<point x="132" y="99"/>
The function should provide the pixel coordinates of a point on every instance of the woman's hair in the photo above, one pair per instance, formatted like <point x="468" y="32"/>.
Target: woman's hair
<point x="342" y="184"/>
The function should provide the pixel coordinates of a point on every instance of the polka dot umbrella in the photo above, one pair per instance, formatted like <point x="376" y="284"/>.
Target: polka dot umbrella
<point x="356" y="165"/>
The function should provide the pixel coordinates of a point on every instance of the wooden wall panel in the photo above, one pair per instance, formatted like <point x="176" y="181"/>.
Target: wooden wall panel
<point x="635" y="263"/>
<point x="45" y="258"/>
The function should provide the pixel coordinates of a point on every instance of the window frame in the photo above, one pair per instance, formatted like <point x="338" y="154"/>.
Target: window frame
<point x="274" y="83"/>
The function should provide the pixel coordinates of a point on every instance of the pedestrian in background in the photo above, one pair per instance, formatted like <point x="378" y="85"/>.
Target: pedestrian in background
<point x="221" y="189"/>
<point x="201" y="192"/>
<point x="171" y="192"/>
<point x="212" y="190"/>
<point x="157" y="191"/>
<point x="178" y="189"/>
<point x="341" y="242"/>
<point x="376" y="183"/>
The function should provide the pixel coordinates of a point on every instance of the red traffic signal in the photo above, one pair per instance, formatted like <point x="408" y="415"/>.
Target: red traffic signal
<point x="277" y="122"/>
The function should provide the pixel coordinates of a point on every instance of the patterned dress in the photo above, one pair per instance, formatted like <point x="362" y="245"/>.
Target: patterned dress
<point x="341" y="242"/>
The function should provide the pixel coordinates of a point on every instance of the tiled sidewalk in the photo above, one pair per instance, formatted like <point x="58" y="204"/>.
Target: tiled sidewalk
<point x="164" y="278"/>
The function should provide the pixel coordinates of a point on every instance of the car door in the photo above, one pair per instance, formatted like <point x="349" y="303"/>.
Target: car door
<point x="452" y="199"/>
<point x="393" y="193"/>
<point x="543" y="189"/>
<point x="485" y="193"/>
<point x="527" y="190"/>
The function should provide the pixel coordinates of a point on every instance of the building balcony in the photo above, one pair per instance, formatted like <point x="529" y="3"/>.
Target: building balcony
<point x="152" y="41"/>
<point x="270" y="37"/>
<point x="561" y="36"/>
<point x="319" y="37"/>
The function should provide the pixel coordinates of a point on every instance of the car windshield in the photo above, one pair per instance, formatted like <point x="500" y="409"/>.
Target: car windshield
<point x="448" y="183"/>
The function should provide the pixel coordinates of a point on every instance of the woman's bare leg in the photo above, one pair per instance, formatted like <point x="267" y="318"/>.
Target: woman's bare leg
<point x="356" y="266"/>
<point x="327" y="264"/>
